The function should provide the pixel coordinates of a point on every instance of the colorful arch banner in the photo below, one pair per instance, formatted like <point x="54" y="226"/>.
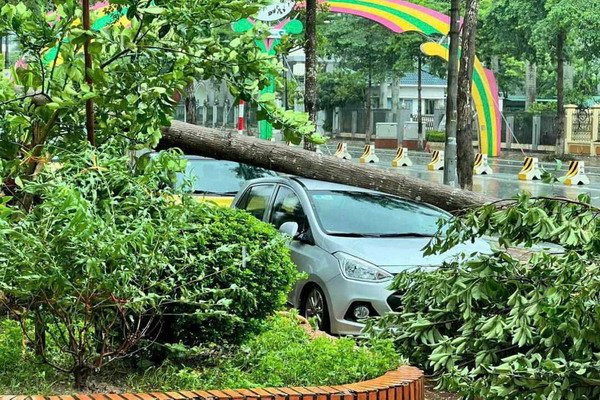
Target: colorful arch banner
<point x="402" y="16"/>
<point x="485" y="100"/>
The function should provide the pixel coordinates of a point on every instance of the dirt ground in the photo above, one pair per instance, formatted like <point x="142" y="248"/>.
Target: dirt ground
<point x="432" y="394"/>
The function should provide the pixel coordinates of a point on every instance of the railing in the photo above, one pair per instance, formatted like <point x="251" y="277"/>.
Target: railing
<point x="582" y="129"/>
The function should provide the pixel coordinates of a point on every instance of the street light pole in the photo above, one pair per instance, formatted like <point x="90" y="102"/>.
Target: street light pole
<point x="420" y="100"/>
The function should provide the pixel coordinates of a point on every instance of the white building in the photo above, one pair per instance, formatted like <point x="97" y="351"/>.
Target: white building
<point x="433" y="93"/>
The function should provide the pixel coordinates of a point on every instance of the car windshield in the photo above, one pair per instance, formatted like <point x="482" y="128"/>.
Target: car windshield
<point x="366" y="214"/>
<point x="218" y="177"/>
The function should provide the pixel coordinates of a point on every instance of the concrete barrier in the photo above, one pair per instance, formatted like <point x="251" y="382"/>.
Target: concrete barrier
<point x="482" y="166"/>
<point x="342" y="151"/>
<point x="531" y="170"/>
<point x="401" y="159"/>
<point x="576" y="174"/>
<point x="369" y="156"/>
<point x="437" y="161"/>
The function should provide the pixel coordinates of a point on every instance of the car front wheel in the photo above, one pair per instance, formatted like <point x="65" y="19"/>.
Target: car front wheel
<point x="315" y="308"/>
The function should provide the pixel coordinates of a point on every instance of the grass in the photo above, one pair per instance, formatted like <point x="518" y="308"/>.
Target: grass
<point x="283" y="355"/>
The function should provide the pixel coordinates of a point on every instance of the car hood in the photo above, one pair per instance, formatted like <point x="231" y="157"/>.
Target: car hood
<point x="396" y="255"/>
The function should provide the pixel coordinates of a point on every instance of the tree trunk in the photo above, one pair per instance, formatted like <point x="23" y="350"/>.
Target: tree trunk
<point x="193" y="139"/>
<point x="396" y="106"/>
<point x="81" y="375"/>
<point x="310" y="78"/>
<point x="560" y="93"/>
<point x="451" y="114"/>
<point x="464" y="134"/>
<point x="6" y="52"/>
<point x="39" y="335"/>
<point x="368" y="107"/>
<point x="495" y="64"/>
<point x="420" y="101"/>
<point x="191" y="115"/>
<point x="530" y="84"/>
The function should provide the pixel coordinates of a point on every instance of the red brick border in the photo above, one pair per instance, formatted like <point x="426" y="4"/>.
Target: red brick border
<point x="405" y="383"/>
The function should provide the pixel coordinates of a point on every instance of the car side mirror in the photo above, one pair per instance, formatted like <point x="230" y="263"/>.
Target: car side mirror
<point x="290" y="229"/>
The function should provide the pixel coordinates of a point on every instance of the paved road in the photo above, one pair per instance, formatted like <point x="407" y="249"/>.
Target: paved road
<point x="502" y="184"/>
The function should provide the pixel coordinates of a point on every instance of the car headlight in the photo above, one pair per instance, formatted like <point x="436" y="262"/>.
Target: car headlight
<point x="359" y="270"/>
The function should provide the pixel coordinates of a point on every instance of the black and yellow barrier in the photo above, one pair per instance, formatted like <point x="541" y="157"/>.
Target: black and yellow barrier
<point x="576" y="174"/>
<point x="437" y="161"/>
<point x="531" y="170"/>
<point x="401" y="159"/>
<point x="342" y="152"/>
<point x="369" y="156"/>
<point x="482" y="166"/>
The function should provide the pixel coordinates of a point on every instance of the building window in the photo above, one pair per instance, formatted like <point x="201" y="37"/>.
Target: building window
<point x="429" y="107"/>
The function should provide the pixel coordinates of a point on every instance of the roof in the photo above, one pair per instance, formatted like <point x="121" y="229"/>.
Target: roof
<point x="412" y="78"/>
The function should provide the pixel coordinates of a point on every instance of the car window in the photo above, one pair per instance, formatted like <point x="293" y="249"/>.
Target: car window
<point x="287" y="208"/>
<point x="376" y="214"/>
<point x="256" y="200"/>
<point x="217" y="177"/>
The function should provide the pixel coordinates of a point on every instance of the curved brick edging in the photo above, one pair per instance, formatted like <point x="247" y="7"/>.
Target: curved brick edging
<point x="405" y="383"/>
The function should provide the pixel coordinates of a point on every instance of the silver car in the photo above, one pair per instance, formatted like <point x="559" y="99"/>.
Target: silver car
<point x="349" y="241"/>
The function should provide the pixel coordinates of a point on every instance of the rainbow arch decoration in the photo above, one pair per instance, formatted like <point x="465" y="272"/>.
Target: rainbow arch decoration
<point x="485" y="99"/>
<point x="401" y="16"/>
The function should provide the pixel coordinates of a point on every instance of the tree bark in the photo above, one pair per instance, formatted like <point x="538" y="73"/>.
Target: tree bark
<point x="396" y="106"/>
<point x="560" y="93"/>
<point x="40" y="335"/>
<point x="451" y="114"/>
<point x="368" y="107"/>
<point x="191" y="115"/>
<point x="6" y="52"/>
<point x="464" y="135"/>
<point x="420" y="130"/>
<point x="530" y="84"/>
<point x="310" y="77"/>
<point x="81" y="375"/>
<point x="193" y="139"/>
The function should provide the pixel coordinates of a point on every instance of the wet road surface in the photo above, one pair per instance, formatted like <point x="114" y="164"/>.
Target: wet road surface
<point x="504" y="183"/>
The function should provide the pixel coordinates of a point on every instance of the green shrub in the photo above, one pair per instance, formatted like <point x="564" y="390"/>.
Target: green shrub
<point x="504" y="326"/>
<point x="105" y="258"/>
<point x="262" y="284"/>
<point x="436" y="136"/>
<point x="283" y="355"/>
<point x="20" y="371"/>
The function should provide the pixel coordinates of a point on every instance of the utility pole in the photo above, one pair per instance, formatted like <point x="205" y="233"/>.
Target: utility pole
<point x="286" y="76"/>
<point x="420" y="100"/>
<point x="89" y="104"/>
<point x="451" y="106"/>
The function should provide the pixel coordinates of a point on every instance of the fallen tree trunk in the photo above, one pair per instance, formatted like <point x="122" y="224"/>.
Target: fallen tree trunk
<point x="231" y="146"/>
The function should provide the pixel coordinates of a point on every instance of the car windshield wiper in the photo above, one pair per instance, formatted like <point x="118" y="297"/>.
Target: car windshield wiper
<point x="351" y="235"/>
<point x="407" y="235"/>
<point x="382" y="235"/>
